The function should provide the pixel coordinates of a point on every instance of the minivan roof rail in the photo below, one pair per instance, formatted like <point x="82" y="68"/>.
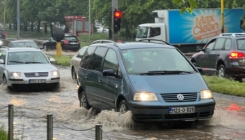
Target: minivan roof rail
<point x="150" y="39"/>
<point x="233" y="34"/>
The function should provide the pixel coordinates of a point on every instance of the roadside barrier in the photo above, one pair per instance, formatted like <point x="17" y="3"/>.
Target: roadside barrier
<point x="50" y="120"/>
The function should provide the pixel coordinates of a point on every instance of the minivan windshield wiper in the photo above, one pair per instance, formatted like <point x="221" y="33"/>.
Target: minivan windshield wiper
<point x="166" y="72"/>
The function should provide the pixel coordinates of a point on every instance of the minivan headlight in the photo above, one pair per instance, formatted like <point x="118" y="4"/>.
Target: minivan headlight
<point x="206" y="94"/>
<point x="145" y="96"/>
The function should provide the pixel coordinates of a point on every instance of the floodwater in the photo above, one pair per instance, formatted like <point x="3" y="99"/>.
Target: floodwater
<point x="70" y="122"/>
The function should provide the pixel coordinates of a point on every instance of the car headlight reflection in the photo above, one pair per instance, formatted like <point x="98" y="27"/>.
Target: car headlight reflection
<point x="145" y="96"/>
<point x="206" y="94"/>
<point x="16" y="74"/>
<point x="55" y="73"/>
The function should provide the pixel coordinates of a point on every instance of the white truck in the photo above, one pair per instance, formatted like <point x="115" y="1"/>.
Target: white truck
<point x="187" y="31"/>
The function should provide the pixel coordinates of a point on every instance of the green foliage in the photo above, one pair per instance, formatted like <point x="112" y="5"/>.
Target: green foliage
<point x="62" y="60"/>
<point x="225" y="86"/>
<point x="3" y="132"/>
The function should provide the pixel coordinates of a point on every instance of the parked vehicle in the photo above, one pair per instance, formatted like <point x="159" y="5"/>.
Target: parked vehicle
<point x="27" y="68"/>
<point x="224" y="55"/>
<point x="75" y="62"/>
<point x="23" y="43"/>
<point x="70" y="42"/>
<point x="155" y="81"/>
<point x="186" y="31"/>
<point x="3" y="34"/>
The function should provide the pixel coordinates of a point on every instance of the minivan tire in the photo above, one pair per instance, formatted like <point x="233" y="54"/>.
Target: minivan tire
<point x="83" y="100"/>
<point x="73" y="74"/>
<point x="123" y="107"/>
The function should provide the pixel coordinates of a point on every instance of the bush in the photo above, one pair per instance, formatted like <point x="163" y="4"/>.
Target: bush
<point x="3" y="133"/>
<point x="225" y="86"/>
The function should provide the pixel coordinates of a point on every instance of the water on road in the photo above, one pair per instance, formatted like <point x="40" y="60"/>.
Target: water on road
<point x="72" y="122"/>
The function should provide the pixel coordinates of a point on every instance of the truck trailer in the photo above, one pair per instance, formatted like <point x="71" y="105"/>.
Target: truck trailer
<point x="188" y="30"/>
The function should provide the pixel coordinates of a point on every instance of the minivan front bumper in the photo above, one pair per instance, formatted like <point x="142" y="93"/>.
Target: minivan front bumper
<point x="160" y="113"/>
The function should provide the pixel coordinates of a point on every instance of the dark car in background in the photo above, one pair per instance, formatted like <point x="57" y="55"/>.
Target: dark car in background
<point x="155" y="81"/>
<point x="70" y="42"/>
<point x="3" y="34"/>
<point x="23" y="43"/>
<point x="223" y="55"/>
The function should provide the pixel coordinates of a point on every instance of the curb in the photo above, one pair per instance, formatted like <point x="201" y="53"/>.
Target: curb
<point x="233" y="98"/>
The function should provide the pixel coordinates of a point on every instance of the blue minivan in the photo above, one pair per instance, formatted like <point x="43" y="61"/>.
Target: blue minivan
<point x="154" y="81"/>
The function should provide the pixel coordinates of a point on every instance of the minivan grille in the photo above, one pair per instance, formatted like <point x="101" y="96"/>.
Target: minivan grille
<point x="40" y="74"/>
<point x="172" y="97"/>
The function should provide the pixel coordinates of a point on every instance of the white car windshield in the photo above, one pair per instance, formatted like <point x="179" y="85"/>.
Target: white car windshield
<point x="155" y="59"/>
<point x="29" y="57"/>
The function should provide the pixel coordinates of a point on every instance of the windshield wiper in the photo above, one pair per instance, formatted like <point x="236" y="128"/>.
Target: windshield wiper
<point x="166" y="72"/>
<point x="32" y="62"/>
<point x="16" y="61"/>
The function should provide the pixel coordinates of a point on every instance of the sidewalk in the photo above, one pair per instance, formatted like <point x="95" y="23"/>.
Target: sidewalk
<point x="236" y="99"/>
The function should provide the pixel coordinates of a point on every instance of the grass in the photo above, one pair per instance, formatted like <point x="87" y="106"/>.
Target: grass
<point x="62" y="60"/>
<point x="225" y="86"/>
<point x="3" y="133"/>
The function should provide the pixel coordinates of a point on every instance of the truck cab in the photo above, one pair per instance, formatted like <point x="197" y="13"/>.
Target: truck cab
<point x="155" y="30"/>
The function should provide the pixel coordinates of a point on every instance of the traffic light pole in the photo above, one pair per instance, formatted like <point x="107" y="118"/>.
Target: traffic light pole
<point x="113" y="7"/>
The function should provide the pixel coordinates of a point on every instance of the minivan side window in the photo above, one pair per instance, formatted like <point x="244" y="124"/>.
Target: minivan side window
<point x="228" y="44"/>
<point x="97" y="58"/>
<point x="86" y="57"/>
<point x="219" y="44"/>
<point x="81" y="52"/>
<point x="111" y="61"/>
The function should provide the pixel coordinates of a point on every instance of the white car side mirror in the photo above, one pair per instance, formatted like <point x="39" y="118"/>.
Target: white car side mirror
<point x="51" y="59"/>
<point x="1" y="61"/>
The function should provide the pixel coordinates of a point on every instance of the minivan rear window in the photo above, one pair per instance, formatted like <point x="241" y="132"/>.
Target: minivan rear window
<point x="241" y="44"/>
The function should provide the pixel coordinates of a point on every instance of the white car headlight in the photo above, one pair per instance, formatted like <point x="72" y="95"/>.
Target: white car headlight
<point x="206" y="94"/>
<point x="55" y="73"/>
<point x="145" y="96"/>
<point x="16" y="74"/>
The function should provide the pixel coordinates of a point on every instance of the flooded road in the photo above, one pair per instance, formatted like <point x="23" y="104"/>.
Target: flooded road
<point x="72" y="122"/>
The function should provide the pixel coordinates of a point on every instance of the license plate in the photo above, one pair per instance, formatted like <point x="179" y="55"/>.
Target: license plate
<point x="35" y="81"/>
<point x="73" y="43"/>
<point x="181" y="110"/>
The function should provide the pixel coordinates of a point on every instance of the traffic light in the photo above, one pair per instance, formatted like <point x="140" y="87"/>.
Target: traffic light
<point x="117" y="20"/>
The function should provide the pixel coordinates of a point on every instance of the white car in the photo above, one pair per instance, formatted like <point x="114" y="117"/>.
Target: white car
<point x="27" y="68"/>
<point x="102" y="30"/>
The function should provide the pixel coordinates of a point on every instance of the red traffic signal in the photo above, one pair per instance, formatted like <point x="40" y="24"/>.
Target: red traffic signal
<point x="118" y="14"/>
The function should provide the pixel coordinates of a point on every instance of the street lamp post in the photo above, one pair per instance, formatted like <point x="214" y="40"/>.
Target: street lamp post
<point x="4" y="15"/>
<point x="222" y="16"/>
<point x="18" y="19"/>
<point x="89" y="20"/>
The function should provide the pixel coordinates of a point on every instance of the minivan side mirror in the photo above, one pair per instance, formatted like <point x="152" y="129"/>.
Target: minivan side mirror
<point x="51" y="59"/>
<point x="199" y="48"/>
<point x="108" y="72"/>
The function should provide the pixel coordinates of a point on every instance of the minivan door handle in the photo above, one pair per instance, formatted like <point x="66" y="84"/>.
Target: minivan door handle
<point x="100" y="81"/>
<point x="86" y="77"/>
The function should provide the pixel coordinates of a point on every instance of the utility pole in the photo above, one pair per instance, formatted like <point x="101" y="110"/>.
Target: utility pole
<point x="113" y="7"/>
<point x="222" y="16"/>
<point x="89" y="21"/>
<point x="4" y="15"/>
<point x="18" y="19"/>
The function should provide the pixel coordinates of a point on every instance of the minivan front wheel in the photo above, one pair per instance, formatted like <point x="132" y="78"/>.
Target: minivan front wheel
<point x="83" y="101"/>
<point x="123" y="107"/>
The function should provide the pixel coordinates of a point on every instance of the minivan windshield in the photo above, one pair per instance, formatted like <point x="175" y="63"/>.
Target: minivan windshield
<point x="155" y="60"/>
<point x="142" y="32"/>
